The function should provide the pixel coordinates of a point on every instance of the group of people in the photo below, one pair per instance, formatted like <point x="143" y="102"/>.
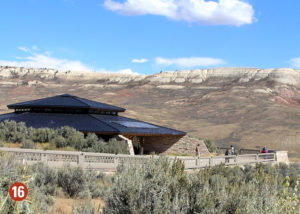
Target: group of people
<point x="228" y="152"/>
<point x="231" y="152"/>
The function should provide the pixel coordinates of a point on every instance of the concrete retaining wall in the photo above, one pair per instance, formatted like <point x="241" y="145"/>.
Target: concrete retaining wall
<point x="175" y="145"/>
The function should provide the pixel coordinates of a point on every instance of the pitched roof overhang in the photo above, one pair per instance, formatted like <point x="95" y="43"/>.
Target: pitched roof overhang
<point x="65" y="101"/>
<point x="99" y="124"/>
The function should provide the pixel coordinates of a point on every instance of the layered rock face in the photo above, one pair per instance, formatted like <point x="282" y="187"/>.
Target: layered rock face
<point x="198" y="76"/>
<point x="242" y="75"/>
<point x="245" y="107"/>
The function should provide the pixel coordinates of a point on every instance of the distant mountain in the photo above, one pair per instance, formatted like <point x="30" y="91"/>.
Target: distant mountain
<point x="247" y="107"/>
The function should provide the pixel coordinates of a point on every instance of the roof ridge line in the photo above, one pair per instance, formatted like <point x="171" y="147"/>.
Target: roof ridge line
<point x="91" y="115"/>
<point x="80" y="101"/>
<point x="110" y="105"/>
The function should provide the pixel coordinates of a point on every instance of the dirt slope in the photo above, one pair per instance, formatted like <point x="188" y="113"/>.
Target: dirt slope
<point x="247" y="107"/>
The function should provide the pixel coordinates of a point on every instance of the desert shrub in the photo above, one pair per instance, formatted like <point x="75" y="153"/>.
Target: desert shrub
<point x="45" y="178"/>
<point x="60" y="141"/>
<point x="76" y="141"/>
<point x="43" y="135"/>
<point x="153" y="187"/>
<point x="1" y="143"/>
<point x="115" y="146"/>
<point x="64" y="137"/>
<point x="12" y="131"/>
<point x="91" y="140"/>
<point x="66" y="132"/>
<point x="27" y="144"/>
<point x="11" y="172"/>
<point x="78" y="183"/>
<point x="163" y="185"/>
<point x="71" y="180"/>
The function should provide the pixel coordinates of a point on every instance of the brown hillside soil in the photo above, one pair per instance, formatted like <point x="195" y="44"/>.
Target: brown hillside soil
<point x="246" y="115"/>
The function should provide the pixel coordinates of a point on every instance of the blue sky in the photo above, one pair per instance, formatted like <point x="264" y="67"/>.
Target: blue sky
<point x="147" y="36"/>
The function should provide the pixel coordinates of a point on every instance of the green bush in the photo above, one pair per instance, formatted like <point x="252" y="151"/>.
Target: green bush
<point x="158" y="185"/>
<point x="43" y="135"/>
<point x="66" y="132"/>
<point x="76" y="141"/>
<point x="163" y="185"/>
<point x="91" y="140"/>
<point x="115" y="146"/>
<point x="11" y="172"/>
<point x="27" y="144"/>
<point x="64" y="137"/>
<point x="60" y="142"/>
<point x="78" y="183"/>
<point x="13" y="132"/>
<point x="45" y="178"/>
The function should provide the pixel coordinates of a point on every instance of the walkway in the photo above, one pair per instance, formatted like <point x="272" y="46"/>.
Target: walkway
<point x="109" y="162"/>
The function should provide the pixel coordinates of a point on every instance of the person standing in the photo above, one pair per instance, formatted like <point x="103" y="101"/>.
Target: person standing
<point x="226" y="158"/>
<point x="232" y="150"/>
<point x="197" y="151"/>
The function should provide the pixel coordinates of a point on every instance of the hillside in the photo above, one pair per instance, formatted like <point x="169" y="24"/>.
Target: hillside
<point x="247" y="107"/>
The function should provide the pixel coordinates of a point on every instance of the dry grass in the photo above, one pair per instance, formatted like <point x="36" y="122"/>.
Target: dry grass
<point x="64" y="205"/>
<point x="12" y="145"/>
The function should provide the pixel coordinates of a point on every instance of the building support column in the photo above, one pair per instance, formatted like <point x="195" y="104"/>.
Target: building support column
<point x="129" y="142"/>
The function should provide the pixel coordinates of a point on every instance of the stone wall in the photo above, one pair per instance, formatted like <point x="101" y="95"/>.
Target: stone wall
<point x="174" y="145"/>
<point x="282" y="157"/>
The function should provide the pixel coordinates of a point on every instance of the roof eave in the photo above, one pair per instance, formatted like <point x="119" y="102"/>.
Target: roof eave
<point x="13" y="106"/>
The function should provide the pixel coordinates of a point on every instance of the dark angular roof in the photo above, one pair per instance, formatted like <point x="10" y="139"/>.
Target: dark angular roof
<point x="102" y="124"/>
<point x="65" y="101"/>
<point x="135" y="127"/>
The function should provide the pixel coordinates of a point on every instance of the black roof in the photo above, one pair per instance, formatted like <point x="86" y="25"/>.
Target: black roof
<point x="65" y="101"/>
<point x="102" y="124"/>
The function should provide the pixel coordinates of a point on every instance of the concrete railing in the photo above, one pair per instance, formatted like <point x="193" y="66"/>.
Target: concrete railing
<point x="110" y="162"/>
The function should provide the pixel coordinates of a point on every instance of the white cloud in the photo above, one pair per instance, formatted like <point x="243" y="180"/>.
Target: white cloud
<point x="143" y="60"/>
<point x="35" y="48"/>
<point x="189" y="62"/>
<point x="45" y="60"/>
<point x="24" y="49"/>
<point x="221" y="12"/>
<point x="295" y="62"/>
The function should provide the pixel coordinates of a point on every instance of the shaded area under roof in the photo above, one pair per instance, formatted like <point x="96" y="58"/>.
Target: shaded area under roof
<point x="101" y="124"/>
<point x="65" y="101"/>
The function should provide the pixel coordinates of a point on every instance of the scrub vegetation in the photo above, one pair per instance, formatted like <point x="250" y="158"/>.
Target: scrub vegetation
<point x="66" y="138"/>
<point x="44" y="184"/>
<point x="163" y="185"/>
<point x="159" y="186"/>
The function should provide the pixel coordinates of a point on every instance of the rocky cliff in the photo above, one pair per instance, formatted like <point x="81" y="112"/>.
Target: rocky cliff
<point x="247" y="107"/>
<point x="198" y="76"/>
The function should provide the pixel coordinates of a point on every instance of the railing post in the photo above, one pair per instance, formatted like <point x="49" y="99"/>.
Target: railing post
<point x="116" y="161"/>
<point x="210" y="161"/>
<point x="44" y="158"/>
<point x="235" y="160"/>
<point x="256" y="158"/>
<point x="81" y="160"/>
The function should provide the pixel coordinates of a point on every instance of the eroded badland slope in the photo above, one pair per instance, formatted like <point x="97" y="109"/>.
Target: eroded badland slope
<point x="247" y="107"/>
